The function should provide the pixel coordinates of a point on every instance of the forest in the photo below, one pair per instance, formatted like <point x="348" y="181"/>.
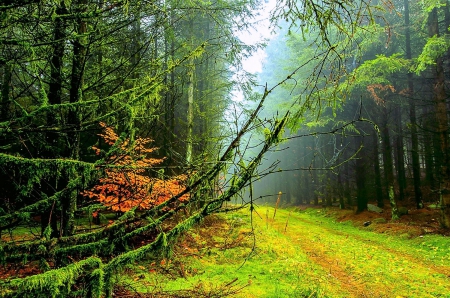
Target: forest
<point x="184" y="135"/>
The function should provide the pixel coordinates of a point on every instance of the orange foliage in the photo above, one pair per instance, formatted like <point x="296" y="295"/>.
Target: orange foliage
<point x="382" y="88"/>
<point x="126" y="184"/>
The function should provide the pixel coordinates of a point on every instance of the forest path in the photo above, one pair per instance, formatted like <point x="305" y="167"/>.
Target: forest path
<point x="361" y="263"/>
<point x="296" y="253"/>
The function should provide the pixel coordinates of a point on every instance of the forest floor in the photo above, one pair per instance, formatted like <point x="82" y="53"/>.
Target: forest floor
<point x="301" y="253"/>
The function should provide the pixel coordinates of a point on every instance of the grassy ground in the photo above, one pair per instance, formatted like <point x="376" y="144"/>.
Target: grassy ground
<point x="296" y="254"/>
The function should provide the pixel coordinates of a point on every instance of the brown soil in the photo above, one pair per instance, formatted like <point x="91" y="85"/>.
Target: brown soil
<point x="417" y="222"/>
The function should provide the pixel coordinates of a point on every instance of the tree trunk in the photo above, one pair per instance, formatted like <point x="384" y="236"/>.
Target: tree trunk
<point x="412" y="115"/>
<point x="53" y="138"/>
<point x="76" y="88"/>
<point x="440" y="105"/>
<point x="387" y="158"/>
<point x="387" y="152"/>
<point x="400" y="155"/>
<point x="347" y="190"/>
<point x="428" y="149"/>
<point x="394" y="209"/>
<point x="377" y="172"/>
<point x="190" y="110"/>
<point x="5" y="90"/>
<point x="360" y="172"/>
<point x="306" y="187"/>
<point x="169" y="98"/>
<point x="340" y="191"/>
<point x="447" y="26"/>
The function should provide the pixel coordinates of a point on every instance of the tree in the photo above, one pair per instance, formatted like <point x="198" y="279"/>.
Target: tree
<point x="412" y="113"/>
<point x="439" y="97"/>
<point x="126" y="184"/>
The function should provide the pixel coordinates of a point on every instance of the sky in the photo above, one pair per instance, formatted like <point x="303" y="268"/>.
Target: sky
<point x="254" y="63"/>
<point x="261" y="31"/>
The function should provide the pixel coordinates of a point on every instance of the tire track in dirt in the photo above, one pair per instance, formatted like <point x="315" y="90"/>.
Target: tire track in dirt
<point x="311" y="237"/>
<point x="441" y="269"/>
<point x="316" y="253"/>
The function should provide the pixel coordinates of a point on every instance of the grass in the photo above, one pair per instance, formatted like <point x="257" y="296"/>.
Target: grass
<point x="274" y="268"/>
<point x="299" y="253"/>
<point x="315" y="256"/>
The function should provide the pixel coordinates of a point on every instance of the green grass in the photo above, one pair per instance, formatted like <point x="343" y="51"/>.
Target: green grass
<point x="274" y="268"/>
<point x="315" y="257"/>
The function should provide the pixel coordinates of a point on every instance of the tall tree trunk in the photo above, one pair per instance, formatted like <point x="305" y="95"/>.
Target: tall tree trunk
<point x="190" y="110"/>
<point x="428" y="150"/>
<point x="387" y="152"/>
<point x="387" y="157"/>
<point x="5" y="91"/>
<point x="306" y="187"/>
<point x="347" y="190"/>
<point x="340" y="190"/>
<point x="361" y="190"/>
<point x="377" y="172"/>
<point x="447" y="29"/>
<point x="53" y="138"/>
<point x="440" y="105"/>
<point x="203" y="87"/>
<point x="400" y="155"/>
<point x="76" y="88"/>
<point x="169" y="97"/>
<point x="412" y="115"/>
<point x="313" y="172"/>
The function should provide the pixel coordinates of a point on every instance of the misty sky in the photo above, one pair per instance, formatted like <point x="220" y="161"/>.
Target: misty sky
<point x="255" y="62"/>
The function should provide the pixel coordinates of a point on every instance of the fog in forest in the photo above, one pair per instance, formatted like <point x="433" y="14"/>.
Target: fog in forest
<point x="139" y="138"/>
<point x="354" y="131"/>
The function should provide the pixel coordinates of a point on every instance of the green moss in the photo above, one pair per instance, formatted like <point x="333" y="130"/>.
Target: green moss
<point x="53" y="283"/>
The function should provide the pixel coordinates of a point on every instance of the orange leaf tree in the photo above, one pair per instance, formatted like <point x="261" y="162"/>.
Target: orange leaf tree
<point x="126" y="183"/>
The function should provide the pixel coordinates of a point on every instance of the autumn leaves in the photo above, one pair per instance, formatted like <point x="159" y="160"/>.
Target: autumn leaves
<point x="127" y="182"/>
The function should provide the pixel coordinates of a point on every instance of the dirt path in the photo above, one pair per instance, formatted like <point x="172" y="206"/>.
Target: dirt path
<point x="364" y="265"/>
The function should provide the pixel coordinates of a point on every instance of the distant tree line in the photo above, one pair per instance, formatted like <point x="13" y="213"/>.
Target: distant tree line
<point x="393" y="74"/>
